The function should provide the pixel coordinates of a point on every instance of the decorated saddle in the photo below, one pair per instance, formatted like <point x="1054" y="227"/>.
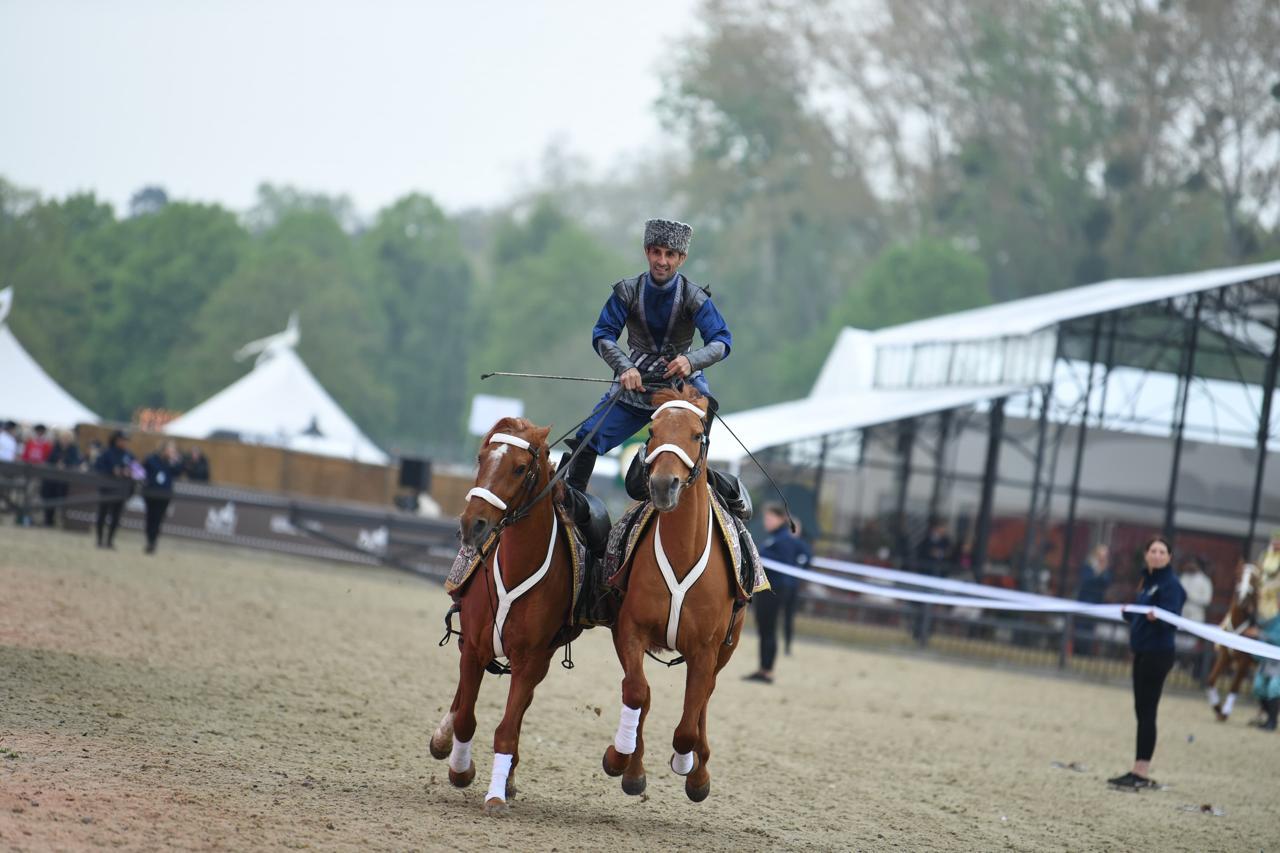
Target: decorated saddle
<point x="468" y="560"/>
<point x="613" y="572"/>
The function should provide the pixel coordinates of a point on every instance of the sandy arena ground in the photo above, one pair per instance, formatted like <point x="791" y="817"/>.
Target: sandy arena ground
<point x="218" y="699"/>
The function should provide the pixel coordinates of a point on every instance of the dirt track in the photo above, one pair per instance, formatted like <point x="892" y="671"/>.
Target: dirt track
<point x="216" y="699"/>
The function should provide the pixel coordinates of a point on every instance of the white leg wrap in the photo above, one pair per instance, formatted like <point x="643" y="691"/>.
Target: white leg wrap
<point x="1214" y="698"/>
<point x="682" y="763"/>
<point x="625" y="740"/>
<point x="460" y="758"/>
<point x="498" y="782"/>
<point x="1229" y="704"/>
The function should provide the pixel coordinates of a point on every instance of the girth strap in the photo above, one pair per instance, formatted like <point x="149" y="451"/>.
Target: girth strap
<point x="678" y="589"/>
<point x="506" y="599"/>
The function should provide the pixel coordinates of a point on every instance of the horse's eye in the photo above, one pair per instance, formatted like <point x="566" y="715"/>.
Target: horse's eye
<point x="520" y="470"/>
<point x="697" y="436"/>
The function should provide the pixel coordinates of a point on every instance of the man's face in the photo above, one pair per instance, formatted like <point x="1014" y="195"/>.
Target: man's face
<point x="663" y="262"/>
<point x="773" y="521"/>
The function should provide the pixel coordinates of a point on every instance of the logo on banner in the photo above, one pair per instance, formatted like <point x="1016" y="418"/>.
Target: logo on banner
<point x="221" y="522"/>
<point x="374" y="541"/>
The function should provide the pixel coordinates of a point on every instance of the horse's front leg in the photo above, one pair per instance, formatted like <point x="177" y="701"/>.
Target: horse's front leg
<point x="1241" y="666"/>
<point x="462" y="717"/>
<point x="1211" y="680"/>
<point x="689" y="740"/>
<point x="527" y="672"/>
<point x="625" y="756"/>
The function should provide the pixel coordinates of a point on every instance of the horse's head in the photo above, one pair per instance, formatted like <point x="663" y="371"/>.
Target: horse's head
<point x="511" y="464"/>
<point x="677" y="446"/>
<point x="1247" y="588"/>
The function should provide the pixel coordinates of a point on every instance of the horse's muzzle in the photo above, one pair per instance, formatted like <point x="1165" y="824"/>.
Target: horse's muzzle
<point x="664" y="491"/>
<point x="474" y="534"/>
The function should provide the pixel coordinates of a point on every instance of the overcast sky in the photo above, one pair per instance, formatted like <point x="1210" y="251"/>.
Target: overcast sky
<point x="372" y="99"/>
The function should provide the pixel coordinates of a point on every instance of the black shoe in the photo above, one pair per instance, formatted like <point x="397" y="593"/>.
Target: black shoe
<point x="150" y="549"/>
<point x="1132" y="782"/>
<point x="758" y="676"/>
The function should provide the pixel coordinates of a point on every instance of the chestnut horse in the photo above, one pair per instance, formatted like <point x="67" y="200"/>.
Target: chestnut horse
<point x="1243" y="613"/>
<point x="516" y="602"/>
<point x="679" y="596"/>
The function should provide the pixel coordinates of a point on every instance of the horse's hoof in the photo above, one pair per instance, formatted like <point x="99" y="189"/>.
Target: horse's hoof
<point x="1222" y="718"/>
<point x="614" y="762"/>
<point x="633" y="786"/>
<point x="496" y="808"/>
<point x="440" y="752"/>
<point x="697" y="793"/>
<point x="463" y="779"/>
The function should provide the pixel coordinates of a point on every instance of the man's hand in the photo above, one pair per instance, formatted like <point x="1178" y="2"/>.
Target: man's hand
<point x="679" y="366"/>
<point x="631" y="380"/>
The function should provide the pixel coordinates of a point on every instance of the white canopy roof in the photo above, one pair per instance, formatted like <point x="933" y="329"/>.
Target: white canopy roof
<point x="27" y="393"/>
<point x="813" y="417"/>
<point x="280" y="403"/>
<point x="1029" y="315"/>
<point x="864" y="380"/>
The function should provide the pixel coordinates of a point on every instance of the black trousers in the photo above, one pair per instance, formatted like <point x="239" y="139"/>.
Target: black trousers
<point x="155" y="517"/>
<point x="52" y="490"/>
<point x="790" y="599"/>
<point x="1149" y="672"/>
<point x="766" y="605"/>
<point x="112" y="509"/>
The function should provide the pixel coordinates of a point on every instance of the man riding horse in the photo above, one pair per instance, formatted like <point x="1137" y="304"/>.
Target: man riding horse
<point x="660" y="310"/>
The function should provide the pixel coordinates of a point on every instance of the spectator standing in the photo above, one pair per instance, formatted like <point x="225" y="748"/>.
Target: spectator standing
<point x="35" y="451"/>
<point x="1153" y="652"/>
<point x="779" y="544"/>
<point x="8" y="442"/>
<point x="1095" y="580"/>
<point x="114" y="461"/>
<point x="163" y="467"/>
<point x="1198" y="586"/>
<point x="65" y="455"/>
<point x="935" y="550"/>
<point x="197" y="466"/>
<point x="791" y="592"/>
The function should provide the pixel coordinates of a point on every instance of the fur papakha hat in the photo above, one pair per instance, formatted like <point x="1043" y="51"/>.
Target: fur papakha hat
<point x="669" y="233"/>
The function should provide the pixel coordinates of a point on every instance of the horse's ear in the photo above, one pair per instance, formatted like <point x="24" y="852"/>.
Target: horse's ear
<point x="540" y="434"/>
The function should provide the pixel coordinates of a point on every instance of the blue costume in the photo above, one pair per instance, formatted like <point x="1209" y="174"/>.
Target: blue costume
<point x="660" y="320"/>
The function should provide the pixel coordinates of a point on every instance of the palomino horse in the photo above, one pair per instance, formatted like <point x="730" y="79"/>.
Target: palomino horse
<point x="679" y="596"/>
<point x="1244" y="609"/>
<point x="515" y="605"/>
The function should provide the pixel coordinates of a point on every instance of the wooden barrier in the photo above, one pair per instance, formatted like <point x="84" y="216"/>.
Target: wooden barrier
<point x="269" y="469"/>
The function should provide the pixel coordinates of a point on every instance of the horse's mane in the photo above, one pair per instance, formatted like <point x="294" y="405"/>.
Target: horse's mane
<point x="687" y="393"/>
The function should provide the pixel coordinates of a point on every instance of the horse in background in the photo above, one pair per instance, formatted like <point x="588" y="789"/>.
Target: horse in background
<point x="679" y="595"/>
<point x="1243" y="614"/>
<point x="515" y="597"/>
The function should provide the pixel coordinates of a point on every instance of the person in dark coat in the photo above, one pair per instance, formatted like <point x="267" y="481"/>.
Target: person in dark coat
<point x="114" y="461"/>
<point x="1153" y="653"/>
<point x="197" y="466"/>
<point x="163" y="467"/>
<point x="66" y="456"/>
<point x="779" y="544"/>
<point x="1095" y="579"/>
<point x="791" y="591"/>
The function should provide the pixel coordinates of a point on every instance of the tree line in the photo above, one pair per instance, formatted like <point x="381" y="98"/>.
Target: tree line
<point x="843" y="163"/>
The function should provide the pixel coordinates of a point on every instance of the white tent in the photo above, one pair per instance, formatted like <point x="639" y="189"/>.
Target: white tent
<point x="27" y="393"/>
<point x="280" y="403"/>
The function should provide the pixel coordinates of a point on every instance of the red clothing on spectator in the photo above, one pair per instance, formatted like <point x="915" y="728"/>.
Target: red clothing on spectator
<point x="36" y="450"/>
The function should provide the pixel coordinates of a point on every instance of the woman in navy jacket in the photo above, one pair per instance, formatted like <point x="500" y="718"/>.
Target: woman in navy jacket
<point x="1152" y="644"/>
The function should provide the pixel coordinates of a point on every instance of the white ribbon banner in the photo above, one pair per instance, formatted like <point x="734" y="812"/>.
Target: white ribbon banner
<point x="994" y="598"/>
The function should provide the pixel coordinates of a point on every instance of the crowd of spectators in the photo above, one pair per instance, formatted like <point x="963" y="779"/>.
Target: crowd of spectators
<point x="60" y="450"/>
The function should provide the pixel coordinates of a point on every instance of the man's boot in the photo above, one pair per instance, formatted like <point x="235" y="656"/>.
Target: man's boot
<point x="588" y="511"/>
<point x="735" y="496"/>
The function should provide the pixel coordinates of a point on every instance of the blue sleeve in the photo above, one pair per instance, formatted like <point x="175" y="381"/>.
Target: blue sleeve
<point x="612" y="319"/>
<point x="712" y="326"/>
<point x="1172" y="598"/>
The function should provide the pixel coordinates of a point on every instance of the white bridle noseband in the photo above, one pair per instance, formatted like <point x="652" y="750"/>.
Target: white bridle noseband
<point x="486" y="495"/>
<point x="671" y="448"/>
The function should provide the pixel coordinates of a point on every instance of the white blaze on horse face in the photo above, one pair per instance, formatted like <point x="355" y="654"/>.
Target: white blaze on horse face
<point x="1246" y="582"/>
